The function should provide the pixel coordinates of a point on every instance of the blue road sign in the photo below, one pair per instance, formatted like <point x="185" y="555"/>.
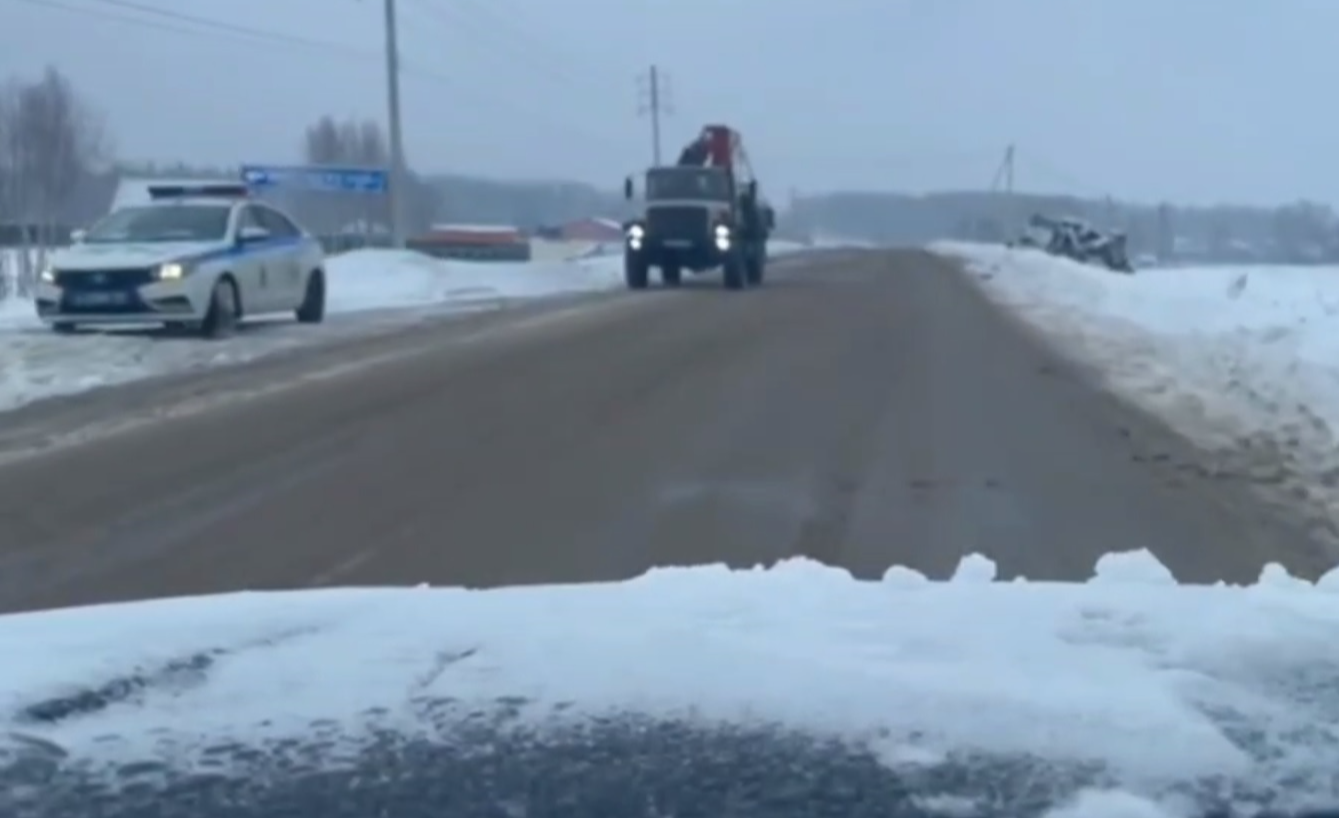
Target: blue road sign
<point x="317" y="177"/>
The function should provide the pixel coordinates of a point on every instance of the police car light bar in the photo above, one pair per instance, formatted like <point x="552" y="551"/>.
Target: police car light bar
<point x="218" y="191"/>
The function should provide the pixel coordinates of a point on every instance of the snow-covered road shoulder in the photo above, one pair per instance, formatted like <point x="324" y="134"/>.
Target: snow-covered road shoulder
<point x="1127" y="682"/>
<point x="369" y="291"/>
<point x="1243" y="360"/>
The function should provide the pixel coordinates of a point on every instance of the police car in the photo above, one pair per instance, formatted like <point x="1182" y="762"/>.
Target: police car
<point x="199" y="257"/>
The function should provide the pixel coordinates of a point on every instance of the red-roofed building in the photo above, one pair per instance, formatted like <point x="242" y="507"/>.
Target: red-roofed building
<point x="478" y="242"/>
<point x="595" y="229"/>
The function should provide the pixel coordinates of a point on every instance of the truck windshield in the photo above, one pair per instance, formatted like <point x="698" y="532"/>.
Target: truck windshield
<point x="687" y="183"/>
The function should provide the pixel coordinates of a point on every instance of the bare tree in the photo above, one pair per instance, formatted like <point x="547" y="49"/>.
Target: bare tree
<point x="323" y="144"/>
<point x="51" y="143"/>
<point x="350" y="142"/>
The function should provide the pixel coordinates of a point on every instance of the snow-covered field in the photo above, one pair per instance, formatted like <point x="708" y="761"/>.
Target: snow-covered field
<point x="370" y="291"/>
<point x="1160" y="686"/>
<point x="1245" y="360"/>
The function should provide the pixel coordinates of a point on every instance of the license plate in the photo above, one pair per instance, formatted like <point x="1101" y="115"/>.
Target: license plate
<point x="112" y="299"/>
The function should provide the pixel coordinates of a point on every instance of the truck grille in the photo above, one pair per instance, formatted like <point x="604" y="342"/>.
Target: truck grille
<point x="677" y="222"/>
<point x="104" y="279"/>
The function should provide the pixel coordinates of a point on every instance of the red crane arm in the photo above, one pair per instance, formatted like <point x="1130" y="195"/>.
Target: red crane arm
<point x="719" y="146"/>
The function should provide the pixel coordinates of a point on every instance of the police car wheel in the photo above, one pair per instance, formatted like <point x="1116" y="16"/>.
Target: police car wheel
<point x="221" y="320"/>
<point x="312" y="308"/>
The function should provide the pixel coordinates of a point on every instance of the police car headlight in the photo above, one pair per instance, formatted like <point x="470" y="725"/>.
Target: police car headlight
<point x="171" y="272"/>
<point x="47" y="276"/>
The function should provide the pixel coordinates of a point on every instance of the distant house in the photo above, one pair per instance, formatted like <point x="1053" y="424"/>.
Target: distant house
<point x="594" y="229"/>
<point x="474" y="242"/>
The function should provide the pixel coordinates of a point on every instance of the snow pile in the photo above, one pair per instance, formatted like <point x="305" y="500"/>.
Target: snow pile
<point x="363" y="280"/>
<point x="370" y="291"/>
<point x="1156" y="684"/>
<point x="1234" y="357"/>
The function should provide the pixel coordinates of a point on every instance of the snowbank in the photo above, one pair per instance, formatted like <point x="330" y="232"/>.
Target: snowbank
<point x="364" y="280"/>
<point x="1234" y="357"/>
<point x="370" y="290"/>
<point x="1154" y="686"/>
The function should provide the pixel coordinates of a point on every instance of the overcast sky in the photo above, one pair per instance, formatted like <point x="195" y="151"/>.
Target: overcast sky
<point x="1184" y="99"/>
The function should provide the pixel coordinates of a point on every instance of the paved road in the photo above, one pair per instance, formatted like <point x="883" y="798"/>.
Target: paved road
<point x="868" y="408"/>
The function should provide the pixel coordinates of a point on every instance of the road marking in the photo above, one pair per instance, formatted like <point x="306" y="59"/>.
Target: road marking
<point x="190" y="406"/>
<point x="342" y="569"/>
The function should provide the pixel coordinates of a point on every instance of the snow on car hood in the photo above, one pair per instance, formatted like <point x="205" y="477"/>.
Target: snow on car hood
<point x="707" y="691"/>
<point x="144" y="254"/>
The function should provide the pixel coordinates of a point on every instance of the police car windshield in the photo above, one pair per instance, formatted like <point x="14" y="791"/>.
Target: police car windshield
<point x="162" y="223"/>
<point x="687" y="183"/>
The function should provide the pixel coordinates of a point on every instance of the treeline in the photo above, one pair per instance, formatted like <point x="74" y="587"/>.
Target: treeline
<point x="58" y="169"/>
<point x="1299" y="232"/>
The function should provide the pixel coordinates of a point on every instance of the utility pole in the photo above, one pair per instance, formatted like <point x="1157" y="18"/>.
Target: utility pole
<point x="654" y="103"/>
<point x="1003" y="183"/>
<point x="397" y="169"/>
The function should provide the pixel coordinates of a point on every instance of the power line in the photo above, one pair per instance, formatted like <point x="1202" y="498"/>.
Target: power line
<point x="496" y="12"/>
<point x="487" y="26"/>
<point x="206" y="26"/>
<point x="440" y="14"/>
<point x="223" y="26"/>
<point x="180" y="23"/>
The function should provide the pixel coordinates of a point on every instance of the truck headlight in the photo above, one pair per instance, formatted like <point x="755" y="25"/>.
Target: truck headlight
<point x="47" y="276"/>
<point x="636" y="232"/>
<point x="722" y="231"/>
<point x="171" y="272"/>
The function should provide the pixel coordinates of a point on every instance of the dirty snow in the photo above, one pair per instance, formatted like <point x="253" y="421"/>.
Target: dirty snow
<point x="370" y="290"/>
<point x="1240" y="359"/>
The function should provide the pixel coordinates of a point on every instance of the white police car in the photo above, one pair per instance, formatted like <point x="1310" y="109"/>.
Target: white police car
<point x="201" y="257"/>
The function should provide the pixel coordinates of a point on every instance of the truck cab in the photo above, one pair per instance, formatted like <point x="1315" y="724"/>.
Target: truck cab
<point x="698" y="215"/>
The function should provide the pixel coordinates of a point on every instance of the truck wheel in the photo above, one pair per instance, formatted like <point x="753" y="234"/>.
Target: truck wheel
<point x="65" y="328"/>
<point x="636" y="272"/>
<point x="735" y="275"/>
<point x="671" y="275"/>
<point x="756" y="270"/>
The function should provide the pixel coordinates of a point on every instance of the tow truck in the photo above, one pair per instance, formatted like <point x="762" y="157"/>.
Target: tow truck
<point x="701" y="213"/>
